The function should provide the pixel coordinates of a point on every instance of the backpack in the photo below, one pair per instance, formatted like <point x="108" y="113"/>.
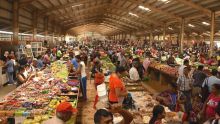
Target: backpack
<point x="128" y="102"/>
<point x="205" y="91"/>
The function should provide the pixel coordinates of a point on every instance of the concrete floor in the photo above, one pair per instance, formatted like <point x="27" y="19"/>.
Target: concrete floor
<point x="85" y="109"/>
<point x="5" y="90"/>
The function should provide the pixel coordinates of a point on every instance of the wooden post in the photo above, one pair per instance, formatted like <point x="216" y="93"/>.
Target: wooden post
<point x="151" y="38"/>
<point x="164" y="32"/>
<point x="45" y="28"/>
<point x="34" y="24"/>
<point x="54" y="32"/>
<point x="212" y="33"/>
<point x="182" y="35"/>
<point x="15" y="22"/>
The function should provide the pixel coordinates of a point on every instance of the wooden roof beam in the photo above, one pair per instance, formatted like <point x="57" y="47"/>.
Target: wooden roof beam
<point x="113" y="28"/>
<point x="108" y="15"/>
<point x="82" y="16"/>
<point x="69" y="4"/>
<point x="85" y="20"/>
<point x="146" y="18"/>
<point x="157" y="9"/>
<point x="75" y="24"/>
<point x="63" y="22"/>
<point x="82" y="22"/>
<point x="122" y="23"/>
<point x="196" y="6"/>
<point x="23" y="3"/>
<point x="112" y="19"/>
<point x="115" y="16"/>
<point x="71" y="14"/>
<point x="120" y="18"/>
<point x="117" y="25"/>
<point x="217" y="13"/>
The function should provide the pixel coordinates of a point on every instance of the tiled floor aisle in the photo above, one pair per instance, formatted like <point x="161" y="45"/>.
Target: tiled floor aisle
<point x="85" y="109"/>
<point x="5" y="90"/>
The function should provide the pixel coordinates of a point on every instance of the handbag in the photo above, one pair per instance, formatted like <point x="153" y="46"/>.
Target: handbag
<point x="128" y="102"/>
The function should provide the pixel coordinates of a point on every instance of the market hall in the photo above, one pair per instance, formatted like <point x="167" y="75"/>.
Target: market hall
<point x="109" y="61"/>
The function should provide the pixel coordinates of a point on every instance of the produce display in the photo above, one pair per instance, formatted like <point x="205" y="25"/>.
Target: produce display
<point x="59" y="70"/>
<point x="37" y="99"/>
<point x="107" y="64"/>
<point x="144" y="103"/>
<point x="172" y="71"/>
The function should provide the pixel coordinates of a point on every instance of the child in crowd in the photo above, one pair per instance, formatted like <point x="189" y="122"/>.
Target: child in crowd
<point x="158" y="115"/>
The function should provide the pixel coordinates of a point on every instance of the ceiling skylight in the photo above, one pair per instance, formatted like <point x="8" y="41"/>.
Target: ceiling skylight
<point x="144" y="8"/>
<point x="130" y="13"/>
<point x="170" y="28"/>
<point x="205" y="23"/>
<point x="77" y="5"/>
<point x="190" y="25"/>
<point x="164" y="1"/>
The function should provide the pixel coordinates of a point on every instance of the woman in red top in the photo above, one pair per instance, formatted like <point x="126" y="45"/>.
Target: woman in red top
<point x="202" y="59"/>
<point x="212" y="102"/>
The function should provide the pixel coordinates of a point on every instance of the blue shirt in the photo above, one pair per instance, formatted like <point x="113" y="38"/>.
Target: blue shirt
<point x="210" y="81"/>
<point x="75" y="63"/>
<point x="10" y="66"/>
<point x="40" y="64"/>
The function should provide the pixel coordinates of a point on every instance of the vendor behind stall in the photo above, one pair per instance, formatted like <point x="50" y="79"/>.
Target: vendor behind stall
<point x="133" y="72"/>
<point x="171" y="61"/>
<point x="181" y="68"/>
<point x="21" y="76"/>
<point x="212" y="61"/>
<point x="64" y="112"/>
<point x="168" y="97"/>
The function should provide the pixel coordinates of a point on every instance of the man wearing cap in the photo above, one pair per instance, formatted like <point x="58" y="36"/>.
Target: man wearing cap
<point x="64" y="113"/>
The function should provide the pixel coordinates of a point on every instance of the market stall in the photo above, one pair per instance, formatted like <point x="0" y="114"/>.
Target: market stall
<point x="144" y="103"/>
<point x="163" y="73"/>
<point x="36" y="100"/>
<point x="144" y="100"/>
<point x="166" y="74"/>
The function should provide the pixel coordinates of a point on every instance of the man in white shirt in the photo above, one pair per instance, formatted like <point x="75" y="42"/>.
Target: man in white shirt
<point x="83" y="80"/>
<point x="134" y="76"/>
<point x="184" y="84"/>
<point x="181" y="68"/>
<point x="211" y="80"/>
